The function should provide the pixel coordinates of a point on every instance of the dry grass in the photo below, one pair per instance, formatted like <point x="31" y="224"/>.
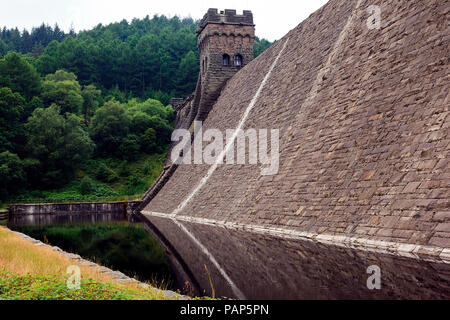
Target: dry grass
<point x="23" y="257"/>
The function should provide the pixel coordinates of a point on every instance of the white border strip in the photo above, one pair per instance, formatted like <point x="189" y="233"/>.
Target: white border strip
<point x="414" y="251"/>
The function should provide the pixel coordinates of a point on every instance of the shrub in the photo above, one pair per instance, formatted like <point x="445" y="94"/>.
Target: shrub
<point x="130" y="147"/>
<point x="106" y="174"/>
<point x="124" y="169"/>
<point x="87" y="186"/>
<point x="148" y="141"/>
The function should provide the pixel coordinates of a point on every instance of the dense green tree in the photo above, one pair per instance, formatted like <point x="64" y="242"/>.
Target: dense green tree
<point x="11" y="109"/>
<point x="59" y="143"/>
<point x="12" y="174"/>
<point x="136" y="66"/>
<point x="260" y="46"/>
<point x="27" y="42"/>
<point x="109" y="126"/>
<point x="150" y="107"/>
<point x="130" y="147"/>
<point x="3" y="48"/>
<point x="63" y="89"/>
<point x="105" y="174"/>
<point x="151" y="114"/>
<point x="187" y="74"/>
<point x="87" y="186"/>
<point x="37" y="50"/>
<point x="149" y="57"/>
<point x="19" y="75"/>
<point x="36" y="102"/>
<point x="90" y="96"/>
<point x="49" y="61"/>
<point x="148" y="141"/>
<point x="61" y="75"/>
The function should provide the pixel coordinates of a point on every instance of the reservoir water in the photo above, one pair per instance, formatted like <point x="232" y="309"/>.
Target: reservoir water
<point x="104" y="238"/>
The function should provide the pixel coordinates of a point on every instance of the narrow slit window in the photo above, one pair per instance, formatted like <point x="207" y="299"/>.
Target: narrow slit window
<point x="238" y="60"/>
<point x="226" y="60"/>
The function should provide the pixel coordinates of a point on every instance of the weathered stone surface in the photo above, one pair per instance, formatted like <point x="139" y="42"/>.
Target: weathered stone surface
<point x="364" y="126"/>
<point x="383" y="93"/>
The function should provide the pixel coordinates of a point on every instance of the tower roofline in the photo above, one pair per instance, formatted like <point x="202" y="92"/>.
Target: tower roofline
<point x="228" y="16"/>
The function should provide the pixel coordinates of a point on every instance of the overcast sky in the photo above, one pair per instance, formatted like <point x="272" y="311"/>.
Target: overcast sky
<point x="273" y="19"/>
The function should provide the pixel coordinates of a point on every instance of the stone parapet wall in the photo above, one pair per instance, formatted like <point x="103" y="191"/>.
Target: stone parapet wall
<point x="213" y="16"/>
<point x="70" y="208"/>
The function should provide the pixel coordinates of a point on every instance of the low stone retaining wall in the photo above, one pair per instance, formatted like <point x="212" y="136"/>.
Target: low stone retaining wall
<point x="70" y="208"/>
<point x="4" y="214"/>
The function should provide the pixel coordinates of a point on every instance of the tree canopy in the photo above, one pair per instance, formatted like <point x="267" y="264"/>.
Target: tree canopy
<point x="19" y="75"/>
<point x="69" y="99"/>
<point x="58" y="142"/>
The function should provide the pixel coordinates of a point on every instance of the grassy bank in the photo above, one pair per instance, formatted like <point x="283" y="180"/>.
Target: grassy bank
<point x="31" y="272"/>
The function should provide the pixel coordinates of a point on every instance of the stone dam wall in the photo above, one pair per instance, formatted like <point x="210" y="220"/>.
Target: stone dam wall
<point x="364" y="172"/>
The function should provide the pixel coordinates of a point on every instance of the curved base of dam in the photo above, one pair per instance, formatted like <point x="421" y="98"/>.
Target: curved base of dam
<point x="268" y="267"/>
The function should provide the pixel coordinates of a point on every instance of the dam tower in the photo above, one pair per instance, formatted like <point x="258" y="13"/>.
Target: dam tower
<point x="225" y="42"/>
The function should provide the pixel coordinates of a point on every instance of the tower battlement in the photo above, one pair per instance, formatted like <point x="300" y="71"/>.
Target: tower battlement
<point x="228" y="16"/>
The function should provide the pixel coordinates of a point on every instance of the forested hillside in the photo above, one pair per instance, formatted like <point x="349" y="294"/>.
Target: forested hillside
<point x="86" y="115"/>
<point x="147" y="58"/>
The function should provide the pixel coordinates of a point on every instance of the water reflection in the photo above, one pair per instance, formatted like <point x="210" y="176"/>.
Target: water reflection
<point x="105" y="238"/>
<point x="64" y="218"/>
<point x="267" y="267"/>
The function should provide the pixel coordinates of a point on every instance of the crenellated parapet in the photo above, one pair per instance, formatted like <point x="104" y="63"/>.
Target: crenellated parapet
<point x="230" y="17"/>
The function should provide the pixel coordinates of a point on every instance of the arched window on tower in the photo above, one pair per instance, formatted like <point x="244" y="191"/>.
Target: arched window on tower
<point x="238" y="60"/>
<point x="226" y="60"/>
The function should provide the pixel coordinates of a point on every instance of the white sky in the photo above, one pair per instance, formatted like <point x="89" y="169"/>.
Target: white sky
<point x="273" y="19"/>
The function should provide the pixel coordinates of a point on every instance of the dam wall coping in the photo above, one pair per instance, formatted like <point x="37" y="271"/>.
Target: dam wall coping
<point x="81" y="207"/>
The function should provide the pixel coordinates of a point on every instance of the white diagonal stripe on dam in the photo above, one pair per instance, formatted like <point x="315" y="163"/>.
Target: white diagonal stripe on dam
<point x="230" y="143"/>
<point x="212" y="169"/>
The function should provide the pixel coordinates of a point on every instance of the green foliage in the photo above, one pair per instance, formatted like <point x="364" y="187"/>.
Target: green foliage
<point x="19" y="75"/>
<point x="136" y="67"/>
<point x="129" y="149"/>
<point x="105" y="174"/>
<point x="91" y="97"/>
<point x="59" y="143"/>
<point x="151" y="114"/>
<point x="260" y="46"/>
<point x="124" y="169"/>
<point x="14" y="286"/>
<point x="11" y="109"/>
<point x="61" y="75"/>
<point x="87" y="186"/>
<point x="36" y="102"/>
<point x="148" y="141"/>
<point x="109" y="127"/>
<point x="3" y="48"/>
<point x="187" y="74"/>
<point x="12" y="174"/>
<point x="63" y="89"/>
<point x="135" y="184"/>
<point x="27" y="42"/>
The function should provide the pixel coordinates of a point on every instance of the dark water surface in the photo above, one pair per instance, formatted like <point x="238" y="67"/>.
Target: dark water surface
<point x="107" y="239"/>
<point x="268" y="267"/>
